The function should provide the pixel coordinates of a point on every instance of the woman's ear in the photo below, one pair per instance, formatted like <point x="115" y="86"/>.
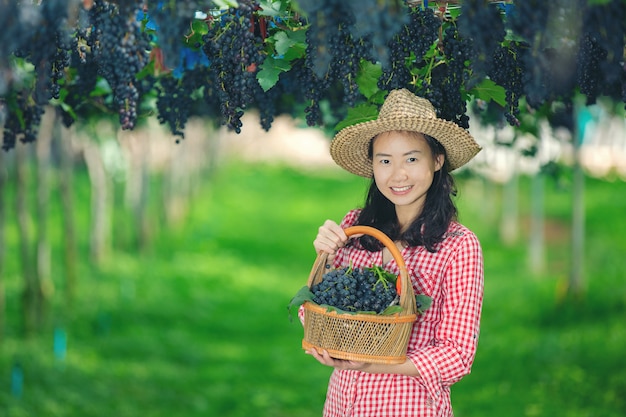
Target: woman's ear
<point x="439" y="160"/>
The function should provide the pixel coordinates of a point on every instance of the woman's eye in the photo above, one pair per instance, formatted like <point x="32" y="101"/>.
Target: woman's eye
<point x="411" y="159"/>
<point x="384" y="161"/>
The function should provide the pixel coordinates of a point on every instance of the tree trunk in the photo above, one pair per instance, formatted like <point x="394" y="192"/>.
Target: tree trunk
<point x="509" y="226"/>
<point x="536" y="250"/>
<point x="576" y="284"/>
<point x="3" y="182"/>
<point x="31" y="295"/>
<point x="99" y="201"/>
<point x="176" y="185"/>
<point x="64" y="139"/>
<point x="42" y="149"/>
<point x="141" y="210"/>
<point x="137" y="150"/>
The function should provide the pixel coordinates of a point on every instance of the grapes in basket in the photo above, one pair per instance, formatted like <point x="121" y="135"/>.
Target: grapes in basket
<point x="357" y="290"/>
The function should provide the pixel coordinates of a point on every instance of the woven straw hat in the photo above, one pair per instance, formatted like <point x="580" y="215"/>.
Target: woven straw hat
<point x="402" y="110"/>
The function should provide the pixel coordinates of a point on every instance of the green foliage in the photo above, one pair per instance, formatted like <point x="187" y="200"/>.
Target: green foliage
<point x="329" y="61"/>
<point x="303" y="294"/>
<point x="284" y="47"/>
<point x="183" y="328"/>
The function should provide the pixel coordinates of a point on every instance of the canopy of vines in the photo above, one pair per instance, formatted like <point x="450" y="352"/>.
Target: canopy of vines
<point x="328" y="60"/>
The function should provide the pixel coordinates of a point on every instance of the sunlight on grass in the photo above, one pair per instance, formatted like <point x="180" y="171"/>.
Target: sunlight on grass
<point x="198" y="325"/>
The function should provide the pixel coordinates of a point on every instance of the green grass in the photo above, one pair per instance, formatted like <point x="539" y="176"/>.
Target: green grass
<point x="198" y="325"/>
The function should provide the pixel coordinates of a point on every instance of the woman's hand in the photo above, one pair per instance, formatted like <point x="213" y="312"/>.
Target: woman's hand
<point x="406" y="368"/>
<point x="325" y="359"/>
<point x="330" y="237"/>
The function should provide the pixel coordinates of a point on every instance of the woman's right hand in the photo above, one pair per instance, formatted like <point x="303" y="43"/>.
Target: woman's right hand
<point x="330" y="237"/>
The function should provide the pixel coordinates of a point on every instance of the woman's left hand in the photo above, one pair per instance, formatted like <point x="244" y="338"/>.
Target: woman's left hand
<point x="325" y="359"/>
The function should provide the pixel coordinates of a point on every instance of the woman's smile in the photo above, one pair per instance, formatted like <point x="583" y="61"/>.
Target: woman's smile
<point x="401" y="190"/>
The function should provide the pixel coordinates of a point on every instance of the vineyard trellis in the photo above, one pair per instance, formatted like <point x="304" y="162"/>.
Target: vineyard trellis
<point x="325" y="59"/>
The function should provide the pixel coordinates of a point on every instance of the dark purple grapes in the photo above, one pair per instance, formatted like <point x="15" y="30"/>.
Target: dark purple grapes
<point x="355" y="289"/>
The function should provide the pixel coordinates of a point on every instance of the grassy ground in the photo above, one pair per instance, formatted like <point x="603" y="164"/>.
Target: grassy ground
<point x="198" y="325"/>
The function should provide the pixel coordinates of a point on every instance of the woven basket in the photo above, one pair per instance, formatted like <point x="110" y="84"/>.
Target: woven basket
<point x="371" y="338"/>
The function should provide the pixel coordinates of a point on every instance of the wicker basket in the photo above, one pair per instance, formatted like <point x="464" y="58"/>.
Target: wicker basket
<point x="372" y="338"/>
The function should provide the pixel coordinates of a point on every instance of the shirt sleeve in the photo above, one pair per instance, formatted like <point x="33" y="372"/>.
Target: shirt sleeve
<point x="450" y="354"/>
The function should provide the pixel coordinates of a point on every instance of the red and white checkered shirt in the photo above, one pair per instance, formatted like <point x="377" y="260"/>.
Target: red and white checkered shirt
<point x="444" y="339"/>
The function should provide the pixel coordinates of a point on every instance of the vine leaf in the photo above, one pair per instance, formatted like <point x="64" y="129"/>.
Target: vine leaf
<point x="394" y="309"/>
<point x="488" y="91"/>
<point x="290" y="44"/>
<point x="304" y="294"/>
<point x="272" y="8"/>
<point x="199" y="28"/>
<point x="359" y="114"/>
<point x="423" y="302"/>
<point x="225" y="4"/>
<point x="270" y="70"/>
<point x="367" y="78"/>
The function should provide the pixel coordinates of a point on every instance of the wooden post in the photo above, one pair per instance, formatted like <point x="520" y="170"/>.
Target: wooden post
<point x="576" y="282"/>
<point x="3" y="182"/>
<point x="64" y="138"/>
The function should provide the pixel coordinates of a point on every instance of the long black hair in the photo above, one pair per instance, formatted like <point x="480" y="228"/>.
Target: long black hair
<point x="429" y="228"/>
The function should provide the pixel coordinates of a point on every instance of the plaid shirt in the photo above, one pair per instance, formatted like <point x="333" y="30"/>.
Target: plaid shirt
<point x="443" y="342"/>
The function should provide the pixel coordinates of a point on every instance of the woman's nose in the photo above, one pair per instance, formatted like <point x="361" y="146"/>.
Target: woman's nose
<point x="399" y="172"/>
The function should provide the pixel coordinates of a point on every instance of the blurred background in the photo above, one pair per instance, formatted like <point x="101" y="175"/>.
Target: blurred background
<point x="141" y="276"/>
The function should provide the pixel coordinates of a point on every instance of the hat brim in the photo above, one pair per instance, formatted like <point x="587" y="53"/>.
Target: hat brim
<point x="349" y="148"/>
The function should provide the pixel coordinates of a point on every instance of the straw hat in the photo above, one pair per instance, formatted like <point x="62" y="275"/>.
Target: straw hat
<point x="402" y="110"/>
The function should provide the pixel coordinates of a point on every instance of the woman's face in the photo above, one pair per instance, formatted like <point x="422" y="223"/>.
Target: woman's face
<point x="404" y="167"/>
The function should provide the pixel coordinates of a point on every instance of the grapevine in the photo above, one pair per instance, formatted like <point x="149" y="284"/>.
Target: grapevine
<point x="316" y="59"/>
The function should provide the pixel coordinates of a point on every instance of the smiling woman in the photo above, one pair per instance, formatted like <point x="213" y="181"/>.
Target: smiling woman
<point x="408" y="153"/>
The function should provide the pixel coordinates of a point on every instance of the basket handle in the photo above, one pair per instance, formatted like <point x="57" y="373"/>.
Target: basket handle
<point x="407" y="295"/>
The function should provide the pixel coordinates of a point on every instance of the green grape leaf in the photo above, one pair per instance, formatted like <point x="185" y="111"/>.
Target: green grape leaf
<point x="225" y="4"/>
<point x="147" y="70"/>
<point x="272" y="8"/>
<point x="290" y="44"/>
<point x="367" y="78"/>
<point x="199" y="27"/>
<point x="193" y="39"/>
<point x="303" y="294"/>
<point x="361" y="113"/>
<point x="270" y="70"/>
<point x="102" y="88"/>
<point x="423" y="303"/>
<point x="487" y="90"/>
<point x="67" y="108"/>
<point x="394" y="309"/>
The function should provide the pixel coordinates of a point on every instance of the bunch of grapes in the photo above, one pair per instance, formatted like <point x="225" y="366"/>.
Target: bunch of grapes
<point x="83" y="80"/>
<point x="508" y="71"/>
<point x="413" y="39"/>
<point x="47" y="48"/>
<point x="235" y="54"/>
<point x="46" y="45"/>
<point x="330" y="55"/>
<point x="120" y="49"/>
<point x="378" y="21"/>
<point x="22" y="121"/>
<point x="590" y="56"/>
<point x="347" y="54"/>
<point x="173" y="104"/>
<point x="484" y="27"/>
<point x="355" y="289"/>
<point x="453" y="77"/>
<point x="600" y="60"/>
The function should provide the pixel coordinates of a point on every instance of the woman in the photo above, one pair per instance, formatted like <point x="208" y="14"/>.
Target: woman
<point x="409" y="153"/>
